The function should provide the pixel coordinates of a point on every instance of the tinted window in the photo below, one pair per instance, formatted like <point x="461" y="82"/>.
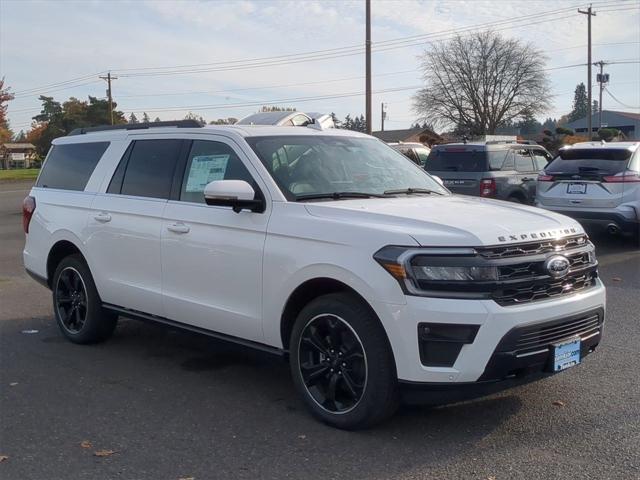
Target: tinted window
<point x="149" y="171"/>
<point x="592" y="160"/>
<point x="524" y="163"/>
<point x="69" y="166"/>
<point x="457" y="159"/>
<point x="209" y="161"/>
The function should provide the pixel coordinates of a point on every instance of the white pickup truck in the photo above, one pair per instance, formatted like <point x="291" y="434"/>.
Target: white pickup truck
<point x="321" y="245"/>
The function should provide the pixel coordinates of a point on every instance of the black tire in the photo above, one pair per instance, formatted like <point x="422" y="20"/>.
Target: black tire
<point x="342" y="320"/>
<point x="77" y="305"/>
<point x="515" y="199"/>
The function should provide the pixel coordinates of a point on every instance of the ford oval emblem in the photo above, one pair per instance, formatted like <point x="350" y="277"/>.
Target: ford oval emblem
<point x="557" y="266"/>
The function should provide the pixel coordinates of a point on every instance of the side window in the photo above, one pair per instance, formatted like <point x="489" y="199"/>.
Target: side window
<point x="422" y="153"/>
<point x="540" y="159"/>
<point x="150" y="167"/>
<point x="300" y="121"/>
<point x="411" y="154"/>
<point x="209" y="161"/>
<point x="524" y="162"/>
<point x="69" y="167"/>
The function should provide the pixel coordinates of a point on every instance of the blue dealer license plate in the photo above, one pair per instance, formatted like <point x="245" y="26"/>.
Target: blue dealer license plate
<point x="566" y="354"/>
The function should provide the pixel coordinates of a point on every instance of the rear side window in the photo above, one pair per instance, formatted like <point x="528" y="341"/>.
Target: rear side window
<point x="149" y="170"/>
<point x="456" y="159"/>
<point x="540" y="159"/>
<point x="601" y="161"/>
<point x="524" y="162"/>
<point x="70" y="166"/>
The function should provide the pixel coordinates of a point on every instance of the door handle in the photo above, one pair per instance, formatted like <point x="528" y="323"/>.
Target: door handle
<point x="178" y="228"/>
<point x="103" y="217"/>
<point x="527" y="179"/>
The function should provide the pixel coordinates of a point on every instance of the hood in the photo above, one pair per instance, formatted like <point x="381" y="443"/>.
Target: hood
<point x="452" y="220"/>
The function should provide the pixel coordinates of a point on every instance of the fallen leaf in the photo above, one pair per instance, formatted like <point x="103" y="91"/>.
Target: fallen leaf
<point x="13" y="384"/>
<point x="616" y="279"/>
<point x="29" y="331"/>
<point x="3" y="458"/>
<point x="103" y="453"/>
<point x="558" y="403"/>
<point x="85" y="444"/>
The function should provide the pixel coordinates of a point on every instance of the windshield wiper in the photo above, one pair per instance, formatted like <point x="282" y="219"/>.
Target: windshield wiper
<point x="411" y="191"/>
<point x="337" y="196"/>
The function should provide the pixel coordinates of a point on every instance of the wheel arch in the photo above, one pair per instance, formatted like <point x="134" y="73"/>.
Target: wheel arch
<point x="308" y="291"/>
<point x="58" y="251"/>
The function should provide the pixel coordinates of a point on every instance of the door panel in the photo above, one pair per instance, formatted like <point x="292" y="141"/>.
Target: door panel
<point x="526" y="173"/>
<point x="212" y="256"/>
<point x="124" y="242"/>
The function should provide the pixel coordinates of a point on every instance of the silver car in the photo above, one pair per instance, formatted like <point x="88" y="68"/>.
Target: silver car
<point x="595" y="183"/>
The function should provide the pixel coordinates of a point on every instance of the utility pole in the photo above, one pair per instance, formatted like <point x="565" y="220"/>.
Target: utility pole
<point x="368" y="67"/>
<point x="108" y="78"/>
<point x="602" y="78"/>
<point x="589" y="13"/>
<point x="383" y="116"/>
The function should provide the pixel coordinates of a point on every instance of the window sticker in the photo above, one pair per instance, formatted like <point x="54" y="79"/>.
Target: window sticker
<point x="205" y="169"/>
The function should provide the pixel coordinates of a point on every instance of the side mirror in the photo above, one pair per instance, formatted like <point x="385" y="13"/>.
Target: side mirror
<point x="438" y="179"/>
<point x="237" y="194"/>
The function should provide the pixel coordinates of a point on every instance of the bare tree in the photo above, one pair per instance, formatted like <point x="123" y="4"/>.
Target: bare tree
<point x="476" y="83"/>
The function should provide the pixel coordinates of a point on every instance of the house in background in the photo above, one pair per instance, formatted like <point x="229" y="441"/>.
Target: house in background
<point x="413" y="135"/>
<point x="18" y="155"/>
<point x="628" y="123"/>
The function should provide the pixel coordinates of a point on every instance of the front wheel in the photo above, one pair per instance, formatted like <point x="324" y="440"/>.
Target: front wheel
<point x="342" y="364"/>
<point x="76" y="304"/>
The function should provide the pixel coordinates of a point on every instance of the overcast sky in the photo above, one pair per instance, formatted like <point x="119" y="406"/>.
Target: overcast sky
<point x="58" y="48"/>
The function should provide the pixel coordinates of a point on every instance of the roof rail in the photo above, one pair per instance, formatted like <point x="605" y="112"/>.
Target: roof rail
<point x="512" y="142"/>
<point x="138" y="126"/>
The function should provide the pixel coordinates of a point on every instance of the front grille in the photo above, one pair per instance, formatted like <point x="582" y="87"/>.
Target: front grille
<point x="539" y="337"/>
<point x="534" y="248"/>
<point x="543" y="290"/>
<point x="523" y="278"/>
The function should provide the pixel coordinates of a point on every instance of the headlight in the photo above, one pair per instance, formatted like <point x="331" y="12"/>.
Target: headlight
<point x="424" y="271"/>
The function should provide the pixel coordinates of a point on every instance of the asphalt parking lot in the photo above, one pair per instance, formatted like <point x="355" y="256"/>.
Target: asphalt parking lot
<point x="172" y="405"/>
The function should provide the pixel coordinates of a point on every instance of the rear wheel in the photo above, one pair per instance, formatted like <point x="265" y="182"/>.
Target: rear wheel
<point x="76" y="304"/>
<point x="342" y="364"/>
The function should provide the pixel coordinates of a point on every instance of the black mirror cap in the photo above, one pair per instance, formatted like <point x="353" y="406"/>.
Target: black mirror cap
<point x="257" y="205"/>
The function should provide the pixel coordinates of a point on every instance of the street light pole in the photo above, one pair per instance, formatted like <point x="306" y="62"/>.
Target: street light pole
<point x="368" y="67"/>
<point x="589" y="13"/>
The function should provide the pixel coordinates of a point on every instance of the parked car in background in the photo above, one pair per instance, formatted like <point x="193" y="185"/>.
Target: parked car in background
<point x="596" y="183"/>
<point x="502" y="170"/>
<point x="416" y="152"/>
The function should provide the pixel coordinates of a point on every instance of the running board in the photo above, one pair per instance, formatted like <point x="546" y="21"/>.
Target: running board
<point x="136" y="315"/>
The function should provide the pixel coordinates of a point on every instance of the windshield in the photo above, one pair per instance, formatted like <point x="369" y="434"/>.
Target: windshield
<point x="601" y="161"/>
<point x="306" y="166"/>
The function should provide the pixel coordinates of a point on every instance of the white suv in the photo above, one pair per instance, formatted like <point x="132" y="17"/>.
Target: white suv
<point x="596" y="183"/>
<point x="326" y="247"/>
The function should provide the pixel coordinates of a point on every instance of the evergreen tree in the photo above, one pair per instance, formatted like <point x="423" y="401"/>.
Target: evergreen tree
<point x="336" y="122"/>
<point x="156" y="120"/>
<point x="580" y="103"/>
<point x="133" y="118"/>
<point x="145" y="118"/>
<point x="348" y="123"/>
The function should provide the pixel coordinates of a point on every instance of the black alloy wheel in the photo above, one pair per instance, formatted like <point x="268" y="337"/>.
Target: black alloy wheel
<point x="333" y="363"/>
<point x="71" y="300"/>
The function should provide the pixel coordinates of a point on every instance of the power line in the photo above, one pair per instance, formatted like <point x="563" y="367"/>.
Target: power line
<point x="619" y="102"/>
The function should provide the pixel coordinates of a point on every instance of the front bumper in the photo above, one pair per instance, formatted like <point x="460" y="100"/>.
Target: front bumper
<point x="484" y="359"/>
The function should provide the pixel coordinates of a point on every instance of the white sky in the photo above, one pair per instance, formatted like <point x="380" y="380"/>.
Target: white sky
<point x="47" y="42"/>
